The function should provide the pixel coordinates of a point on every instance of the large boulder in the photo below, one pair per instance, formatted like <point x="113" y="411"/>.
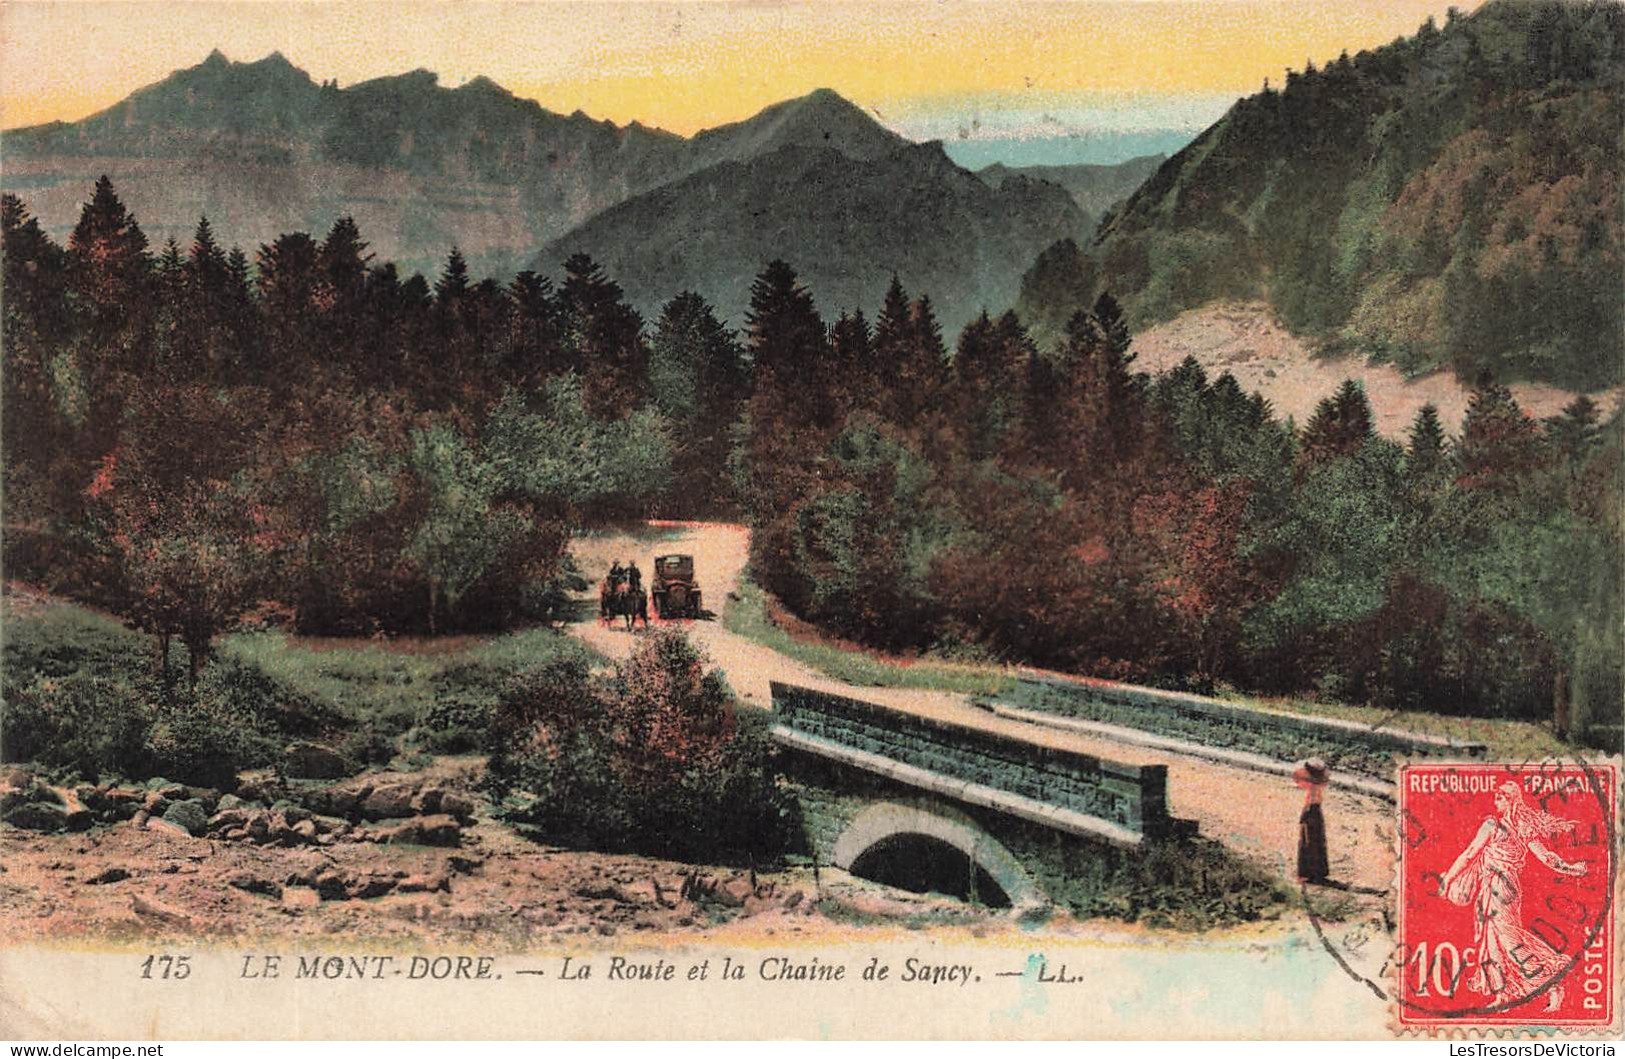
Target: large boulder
<point x="188" y="813"/>
<point x="436" y="830"/>
<point x="36" y="816"/>
<point x="389" y="802"/>
<point x="311" y="761"/>
<point x="458" y="804"/>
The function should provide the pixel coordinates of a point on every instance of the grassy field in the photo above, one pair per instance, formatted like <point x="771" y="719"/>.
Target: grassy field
<point x="747" y="615"/>
<point x="396" y="681"/>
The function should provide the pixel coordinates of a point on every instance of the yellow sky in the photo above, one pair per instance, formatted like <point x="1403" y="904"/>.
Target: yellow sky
<point x="685" y="66"/>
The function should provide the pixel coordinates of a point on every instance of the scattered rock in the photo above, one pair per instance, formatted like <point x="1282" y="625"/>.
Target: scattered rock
<point x="427" y="882"/>
<point x="332" y="885"/>
<point x="227" y="819"/>
<point x="37" y="816"/>
<point x="291" y="812"/>
<point x="603" y="893"/>
<point x="255" y="884"/>
<point x="139" y="819"/>
<point x="111" y="875"/>
<point x="14" y="776"/>
<point x="437" y="830"/>
<point x="153" y="910"/>
<point x="427" y="801"/>
<point x="794" y="899"/>
<point x="122" y="803"/>
<point x="234" y="834"/>
<point x="310" y="761"/>
<point x="465" y="864"/>
<point x="259" y="828"/>
<point x="457" y="804"/>
<point x="167" y="827"/>
<point x="189" y="814"/>
<point x="92" y="797"/>
<point x="257" y="791"/>
<point x="385" y="803"/>
<point x="155" y="803"/>
<point x="306" y="830"/>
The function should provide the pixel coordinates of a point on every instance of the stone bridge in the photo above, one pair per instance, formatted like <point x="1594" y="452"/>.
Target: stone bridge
<point x="932" y="804"/>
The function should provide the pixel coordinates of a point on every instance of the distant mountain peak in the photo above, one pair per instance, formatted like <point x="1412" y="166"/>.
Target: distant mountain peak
<point x="275" y="60"/>
<point x="481" y="83"/>
<point x="216" y="58"/>
<point x="821" y="118"/>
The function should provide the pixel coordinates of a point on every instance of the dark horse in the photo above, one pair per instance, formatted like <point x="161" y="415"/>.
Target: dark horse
<point x="619" y="599"/>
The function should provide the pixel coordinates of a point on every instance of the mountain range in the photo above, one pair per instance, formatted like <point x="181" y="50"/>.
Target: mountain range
<point x="262" y="148"/>
<point x="1450" y="200"/>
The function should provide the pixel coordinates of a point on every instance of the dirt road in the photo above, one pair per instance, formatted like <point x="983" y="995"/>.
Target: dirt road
<point x="1252" y="813"/>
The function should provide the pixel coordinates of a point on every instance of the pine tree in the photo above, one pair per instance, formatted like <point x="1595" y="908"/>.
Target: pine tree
<point x="891" y="342"/>
<point x="1575" y="435"/>
<point x="1426" y="451"/>
<point x="789" y="405"/>
<point x="1341" y="425"/>
<point x="851" y="363"/>
<point x="111" y="274"/>
<point x="452" y="285"/>
<point x="698" y="379"/>
<point x="923" y="371"/>
<point x="535" y="349"/>
<point x="289" y="278"/>
<point x="1500" y="443"/>
<point x="603" y="340"/>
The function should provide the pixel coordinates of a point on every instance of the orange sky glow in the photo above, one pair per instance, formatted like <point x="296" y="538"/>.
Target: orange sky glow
<point x="686" y="66"/>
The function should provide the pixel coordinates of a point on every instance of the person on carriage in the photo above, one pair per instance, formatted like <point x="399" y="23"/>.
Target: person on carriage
<point x="634" y="576"/>
<point x="616" y="574"/>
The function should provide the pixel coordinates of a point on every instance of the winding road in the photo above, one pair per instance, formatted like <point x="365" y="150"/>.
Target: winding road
<point x="1250" y="812"/>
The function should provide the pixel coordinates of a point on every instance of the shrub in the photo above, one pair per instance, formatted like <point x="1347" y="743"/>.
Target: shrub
<point x="265" y="702"/>
<point x="368" y="745"/>
<point x="90" y="723"/>
<point x="459" y="717"/>
<point x="654" y="761"/>
<point x="203" y="742"/>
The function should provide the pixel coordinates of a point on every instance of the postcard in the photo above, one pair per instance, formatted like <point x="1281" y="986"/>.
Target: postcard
<point x="688" y="520"/>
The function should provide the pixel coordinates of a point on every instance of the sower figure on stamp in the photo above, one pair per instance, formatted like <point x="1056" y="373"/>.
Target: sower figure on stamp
<point x="1513" y="962"/>
<point x="1313" y="864"/>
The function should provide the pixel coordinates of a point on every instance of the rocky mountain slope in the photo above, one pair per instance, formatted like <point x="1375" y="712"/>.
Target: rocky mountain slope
<point x="1448" y="200"/>
<point x="846" y="223"/>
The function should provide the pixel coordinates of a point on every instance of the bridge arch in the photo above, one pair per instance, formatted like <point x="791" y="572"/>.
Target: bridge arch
<point x="886" y="822"/>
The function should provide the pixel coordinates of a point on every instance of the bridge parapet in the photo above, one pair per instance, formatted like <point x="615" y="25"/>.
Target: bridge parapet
<point x="1064" y="790"/>
<point x="1242" y="732"/>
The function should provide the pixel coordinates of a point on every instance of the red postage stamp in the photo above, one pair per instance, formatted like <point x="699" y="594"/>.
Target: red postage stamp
<point x="1506" y="887"/>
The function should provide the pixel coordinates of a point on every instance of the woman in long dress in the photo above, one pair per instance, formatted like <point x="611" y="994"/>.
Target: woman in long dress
<point x="1513" y="962"/>
<point x="1314" y="865"/>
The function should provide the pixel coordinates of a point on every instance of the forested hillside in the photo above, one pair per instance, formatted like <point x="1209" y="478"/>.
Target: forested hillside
<point x="194" y="439"/>
<point x="851" y="222"/>
<point x="1448" y="200"/>
<point x="189" y="436"/>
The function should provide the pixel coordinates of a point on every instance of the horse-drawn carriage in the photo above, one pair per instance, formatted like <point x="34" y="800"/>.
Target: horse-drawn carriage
<point x="674" y="591"/>
<point x="621" y="595"/>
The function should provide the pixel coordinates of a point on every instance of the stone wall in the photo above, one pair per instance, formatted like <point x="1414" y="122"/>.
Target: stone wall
<point x="1130" y="799"/>
<point x="1211" y="722"/>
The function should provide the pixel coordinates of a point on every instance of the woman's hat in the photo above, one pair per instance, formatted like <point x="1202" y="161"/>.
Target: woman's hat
<point x="1313" y="771"/>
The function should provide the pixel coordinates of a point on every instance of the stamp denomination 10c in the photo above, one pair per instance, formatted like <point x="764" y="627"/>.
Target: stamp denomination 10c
<point x="1506" y="885"/>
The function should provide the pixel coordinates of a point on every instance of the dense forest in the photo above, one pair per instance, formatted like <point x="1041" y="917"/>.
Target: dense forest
<point x="1450" y="200"/>
<point x="192" y="439"/>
